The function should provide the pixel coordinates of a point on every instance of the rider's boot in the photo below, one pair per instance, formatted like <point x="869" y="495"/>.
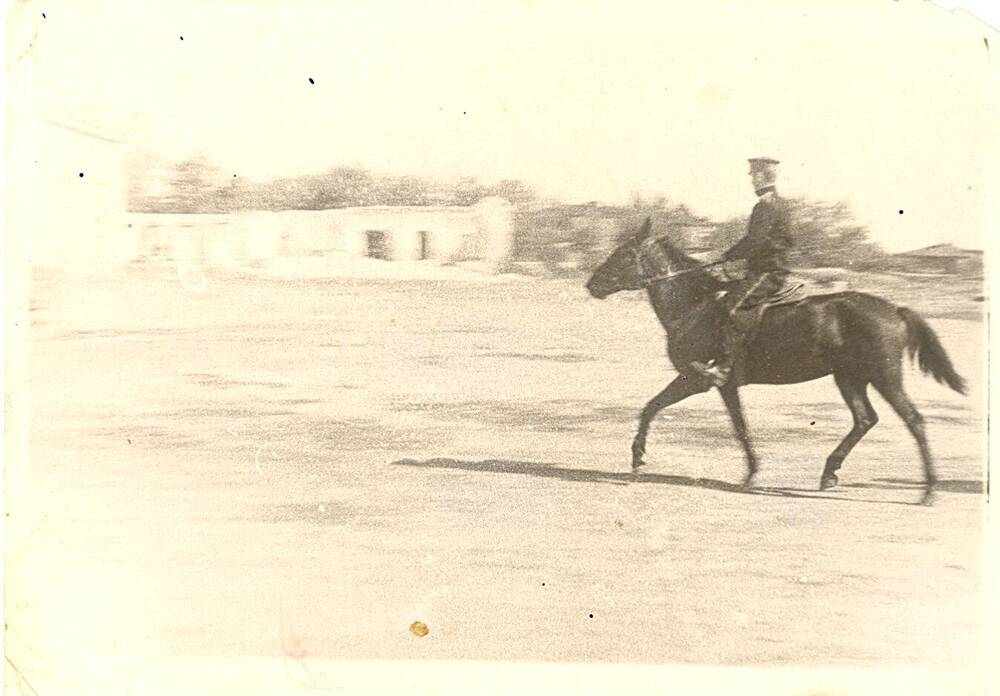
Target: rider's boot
<point x="737" y="330"/>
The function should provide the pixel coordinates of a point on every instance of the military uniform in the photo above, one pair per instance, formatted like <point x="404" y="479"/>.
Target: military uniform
<point x="765" y="249"/>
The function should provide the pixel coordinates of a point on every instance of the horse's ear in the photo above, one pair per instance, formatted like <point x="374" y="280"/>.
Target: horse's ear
<point x="644" y="230"/>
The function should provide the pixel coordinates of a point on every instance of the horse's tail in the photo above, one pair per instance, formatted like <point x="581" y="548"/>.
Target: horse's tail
<point x="924" y="347"/>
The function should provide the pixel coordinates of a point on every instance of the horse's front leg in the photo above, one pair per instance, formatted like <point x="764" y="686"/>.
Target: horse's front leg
<point x="679" y="389"/>
<point x="731" y="397"/>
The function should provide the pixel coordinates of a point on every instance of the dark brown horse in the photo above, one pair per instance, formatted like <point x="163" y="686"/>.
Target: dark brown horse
<point x="858" y="338"/>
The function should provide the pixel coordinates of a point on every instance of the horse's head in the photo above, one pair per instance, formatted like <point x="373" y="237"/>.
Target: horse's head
<point x="631" y="266"/>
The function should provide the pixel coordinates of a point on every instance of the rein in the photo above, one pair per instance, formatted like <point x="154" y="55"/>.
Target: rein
<point x="662" y="277"/>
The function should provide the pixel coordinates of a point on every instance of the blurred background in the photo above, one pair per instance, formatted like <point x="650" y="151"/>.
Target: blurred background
<point x="519" y="138"/>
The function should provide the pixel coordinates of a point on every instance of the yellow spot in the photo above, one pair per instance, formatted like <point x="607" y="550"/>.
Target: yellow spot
<point x="419" y="629"/>
<point x="392" y="321"/>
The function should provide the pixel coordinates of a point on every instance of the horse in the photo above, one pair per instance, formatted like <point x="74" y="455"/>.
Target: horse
<point x="857" y="337"/>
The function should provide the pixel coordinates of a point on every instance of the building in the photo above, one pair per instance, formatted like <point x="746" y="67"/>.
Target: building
<point x="944" y="259"/>
<point x="479" y="235"/>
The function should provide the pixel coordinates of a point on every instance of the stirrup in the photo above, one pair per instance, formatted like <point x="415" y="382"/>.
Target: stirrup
<point x="713" y="374"/>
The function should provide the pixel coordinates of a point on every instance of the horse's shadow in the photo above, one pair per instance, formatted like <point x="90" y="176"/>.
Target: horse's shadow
<point x="949" y="485"/>
<point x="615" y="478"/>
<point x="548" y="470"/>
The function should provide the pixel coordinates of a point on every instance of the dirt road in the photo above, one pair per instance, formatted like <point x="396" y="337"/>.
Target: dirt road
<point x="245" y="467"/>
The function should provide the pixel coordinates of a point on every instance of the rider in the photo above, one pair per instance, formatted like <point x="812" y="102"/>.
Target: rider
<point x="764" y="248"/>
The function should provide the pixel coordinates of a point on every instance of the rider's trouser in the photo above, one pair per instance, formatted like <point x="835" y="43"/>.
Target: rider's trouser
<point x="744" y="305"/>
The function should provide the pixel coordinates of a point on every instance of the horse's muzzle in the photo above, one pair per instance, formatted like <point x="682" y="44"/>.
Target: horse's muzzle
<point x="595" y="289"/>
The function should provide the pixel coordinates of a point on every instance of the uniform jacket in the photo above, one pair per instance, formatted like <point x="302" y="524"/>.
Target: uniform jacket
<point x="768" y="238"/>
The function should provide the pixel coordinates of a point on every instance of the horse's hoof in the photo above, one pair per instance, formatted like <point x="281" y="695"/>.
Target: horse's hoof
<point x="750" y="481"/>
<point x="637" y="455"/>
<point x="928" y="499"/>
<point x="828" y="482"/>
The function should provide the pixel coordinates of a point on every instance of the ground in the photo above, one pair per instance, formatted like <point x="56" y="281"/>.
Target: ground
<point x="238" y="467"/>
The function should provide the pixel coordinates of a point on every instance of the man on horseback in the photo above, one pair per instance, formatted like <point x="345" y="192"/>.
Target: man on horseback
<point x="764" y="248"/>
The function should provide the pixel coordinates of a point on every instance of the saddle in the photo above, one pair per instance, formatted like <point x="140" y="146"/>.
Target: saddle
<point x="792" y="293"/>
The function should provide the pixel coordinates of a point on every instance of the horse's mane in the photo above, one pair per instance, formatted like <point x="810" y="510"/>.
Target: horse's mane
<point x="678" y="257"/>
<point x="699" y="283"/>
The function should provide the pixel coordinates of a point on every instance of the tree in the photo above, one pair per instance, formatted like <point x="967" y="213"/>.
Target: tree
<point x="516" y="191"/>
<point x="827" y="235"/>
<point x="193" y="186"/>
<point x="468" y="191"/>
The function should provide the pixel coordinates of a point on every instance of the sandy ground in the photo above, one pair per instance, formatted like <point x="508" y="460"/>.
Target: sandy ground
<point x="227" y="467"/>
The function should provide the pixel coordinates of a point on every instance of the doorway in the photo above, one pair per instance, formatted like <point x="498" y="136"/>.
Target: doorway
<point x="423" y="245"/>
<point x="377" y="244"/>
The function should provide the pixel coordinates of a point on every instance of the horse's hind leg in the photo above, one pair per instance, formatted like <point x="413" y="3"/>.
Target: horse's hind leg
<point x="679" y="389"/>
<point x="855" y="393"/>
<point x="891" y="390"/>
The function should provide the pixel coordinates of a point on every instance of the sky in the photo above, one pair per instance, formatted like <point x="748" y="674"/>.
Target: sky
<point x="888" y="106"/>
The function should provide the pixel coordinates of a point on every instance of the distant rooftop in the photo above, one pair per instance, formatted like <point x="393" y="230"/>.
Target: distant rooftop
<point x="941" y="251"/>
